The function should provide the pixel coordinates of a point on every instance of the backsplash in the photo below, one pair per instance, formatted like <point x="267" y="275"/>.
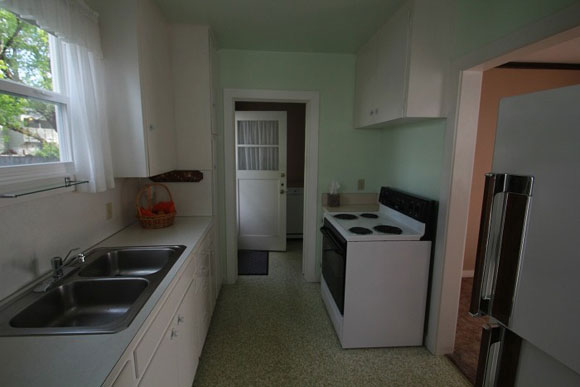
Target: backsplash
<point x="33" y="231"/>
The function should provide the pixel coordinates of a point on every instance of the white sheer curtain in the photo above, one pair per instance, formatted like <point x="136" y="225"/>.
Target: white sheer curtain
<point x="258" y="145"/>
<point x="71" y="20"/>
<point x="76" y="27"/>
<point x="90" y="135"/>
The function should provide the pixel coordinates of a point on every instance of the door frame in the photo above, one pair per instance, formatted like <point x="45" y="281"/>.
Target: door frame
<point x="311" y="99"/>
<point x="464" y="88"/>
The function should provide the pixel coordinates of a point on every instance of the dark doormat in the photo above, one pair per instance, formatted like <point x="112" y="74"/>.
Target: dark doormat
<point x="252" y="262"/>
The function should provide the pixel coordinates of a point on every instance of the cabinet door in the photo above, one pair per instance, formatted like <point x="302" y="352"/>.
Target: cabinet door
<point x="200" y="313"/>
<point x="156" y="91"/>
<point x="365" y="84"/>
<point x="212" y="279"/>
<point x="393" y="41"/>
<point x="164" y="368"/>
<point x="126" y="377"/>
<point x="187" y="343"/>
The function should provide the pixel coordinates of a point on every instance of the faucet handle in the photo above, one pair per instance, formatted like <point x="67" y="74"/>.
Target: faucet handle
<point x="57" y="264"/>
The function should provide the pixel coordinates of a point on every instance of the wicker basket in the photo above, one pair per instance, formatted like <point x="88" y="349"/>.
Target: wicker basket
<point x="156" y="220"/>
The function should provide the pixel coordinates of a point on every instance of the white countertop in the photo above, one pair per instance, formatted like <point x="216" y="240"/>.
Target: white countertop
<point x="86" y="360"/>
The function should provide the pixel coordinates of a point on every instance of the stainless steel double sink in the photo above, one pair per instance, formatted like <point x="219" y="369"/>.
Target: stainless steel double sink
<point x="103" y="295"/>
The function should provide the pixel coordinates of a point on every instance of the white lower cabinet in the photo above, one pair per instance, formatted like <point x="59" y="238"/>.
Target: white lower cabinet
<point x="163" y="369"/>
<point x="127" y="376"/>
<point x="188" y="347"/>
<point x="166" y="350"/>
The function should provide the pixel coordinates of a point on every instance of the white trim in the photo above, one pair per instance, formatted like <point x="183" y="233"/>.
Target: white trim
<point x="311" y="99"/>
<point x="19" y="174"/>
<point x="459" y="149"/>
<point x="21" y="90"/>
<point x="467" y="273"/>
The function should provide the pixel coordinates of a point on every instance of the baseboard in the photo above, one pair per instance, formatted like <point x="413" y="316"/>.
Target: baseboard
<point x="467" y="274"/>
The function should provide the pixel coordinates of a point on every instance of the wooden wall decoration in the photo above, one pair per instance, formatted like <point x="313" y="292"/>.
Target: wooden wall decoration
<point x="178" y="177"/>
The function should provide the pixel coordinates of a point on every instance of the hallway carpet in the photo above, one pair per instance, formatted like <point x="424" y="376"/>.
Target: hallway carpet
<point x="274" y="331"/>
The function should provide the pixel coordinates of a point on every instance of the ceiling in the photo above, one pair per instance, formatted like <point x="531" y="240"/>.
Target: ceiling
<point x="340" y="26"/>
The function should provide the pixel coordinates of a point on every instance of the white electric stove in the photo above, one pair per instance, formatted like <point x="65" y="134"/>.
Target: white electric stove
<point x="375" y="271"/>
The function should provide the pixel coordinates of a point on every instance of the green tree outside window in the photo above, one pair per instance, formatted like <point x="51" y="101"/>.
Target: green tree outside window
<point x="25" y="58"/>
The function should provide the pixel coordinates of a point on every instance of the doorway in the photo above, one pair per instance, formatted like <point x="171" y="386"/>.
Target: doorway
<point x="261" y="158"/>
<point x="309" y="100"/>
<point x="294" y="171"/>
<point x="513" y="78"/>
<point x="525" y="70"/>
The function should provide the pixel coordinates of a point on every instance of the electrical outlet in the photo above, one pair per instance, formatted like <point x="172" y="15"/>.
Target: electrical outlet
<point x="361" y="184"/>
<point x="109" y="207"/>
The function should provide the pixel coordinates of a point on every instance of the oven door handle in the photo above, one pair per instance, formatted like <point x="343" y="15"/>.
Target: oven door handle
<point x="327" y="233"/>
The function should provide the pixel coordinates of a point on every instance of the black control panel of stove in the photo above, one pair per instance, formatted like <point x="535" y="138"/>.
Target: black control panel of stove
<point x="423" y="210"/>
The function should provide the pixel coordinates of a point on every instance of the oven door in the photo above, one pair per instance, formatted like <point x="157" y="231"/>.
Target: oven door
<point x="334" y="263"/>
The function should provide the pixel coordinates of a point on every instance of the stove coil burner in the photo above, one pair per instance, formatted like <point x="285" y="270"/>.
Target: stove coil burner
<point x="360" y="230"/>
<point x="345" y="216"/>
<point x="388" y="229"/>
<point x="369" y="216"/>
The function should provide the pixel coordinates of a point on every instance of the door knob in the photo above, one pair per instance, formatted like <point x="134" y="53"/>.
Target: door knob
<point x="282" y="174"/>
<point x="282" y="191"/>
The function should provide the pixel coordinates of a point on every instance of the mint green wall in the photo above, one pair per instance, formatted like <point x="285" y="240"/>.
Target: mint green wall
<point x="412" y="157"/>
<point x="481" y="22"/>
<point x="344" y="154"/>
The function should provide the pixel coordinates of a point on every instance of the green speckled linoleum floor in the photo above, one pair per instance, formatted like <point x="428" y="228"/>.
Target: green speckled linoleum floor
<point x="274" y="331"/>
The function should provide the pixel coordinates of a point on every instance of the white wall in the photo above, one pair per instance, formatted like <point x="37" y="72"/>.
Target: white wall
<point x="33" y="231"/>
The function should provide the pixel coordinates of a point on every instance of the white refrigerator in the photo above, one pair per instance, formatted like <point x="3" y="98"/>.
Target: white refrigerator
<point x="527" y="276"/>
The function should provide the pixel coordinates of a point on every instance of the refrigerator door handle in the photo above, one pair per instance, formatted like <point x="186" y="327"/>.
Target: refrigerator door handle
<point x="488" y="356"/>
<point x="496" y="242"/>
<point x="499" y="357"/>
<point x="479" y="305"/>
<point x="510" y="250"/>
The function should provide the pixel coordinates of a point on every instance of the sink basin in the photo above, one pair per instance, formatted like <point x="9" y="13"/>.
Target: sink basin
<point x="87" y="303"/>
<point x="103" y="296"/>
<point x="131" y="262"/>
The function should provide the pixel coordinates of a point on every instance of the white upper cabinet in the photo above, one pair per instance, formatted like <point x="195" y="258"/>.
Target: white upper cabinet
<point x="136" y="49"/>
<point x="192" y="55"/>
<point x="400" y="71"/>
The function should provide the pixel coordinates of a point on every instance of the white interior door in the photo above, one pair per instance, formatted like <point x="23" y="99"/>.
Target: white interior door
<point x="261" y="180"/>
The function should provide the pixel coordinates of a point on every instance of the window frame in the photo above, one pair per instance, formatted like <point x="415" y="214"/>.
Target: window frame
<point x="15" y="175"/>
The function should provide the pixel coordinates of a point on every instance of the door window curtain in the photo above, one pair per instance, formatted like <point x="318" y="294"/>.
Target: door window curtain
<point x="76" y="27"/>
<point x="258" y="145"/>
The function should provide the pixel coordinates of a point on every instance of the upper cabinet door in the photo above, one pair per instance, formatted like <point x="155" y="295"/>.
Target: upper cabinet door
<point x="400" y="71"/>
<point x="192" y="51"/>
<point x="365" y="86"/>
<point x="139" y="92"/>
<point x="392" y="69"/>
<point x="156" y="88"/>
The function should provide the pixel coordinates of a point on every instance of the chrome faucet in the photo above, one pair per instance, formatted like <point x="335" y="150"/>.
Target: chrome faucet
<point x="59" y="269"/>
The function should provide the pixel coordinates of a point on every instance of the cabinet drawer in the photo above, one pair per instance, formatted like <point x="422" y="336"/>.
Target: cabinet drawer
<point x="150" y="340"/>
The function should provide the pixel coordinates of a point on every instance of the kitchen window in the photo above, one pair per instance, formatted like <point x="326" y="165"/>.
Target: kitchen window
<point x="33" y="110"/>
<point x="53" y="120"/>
